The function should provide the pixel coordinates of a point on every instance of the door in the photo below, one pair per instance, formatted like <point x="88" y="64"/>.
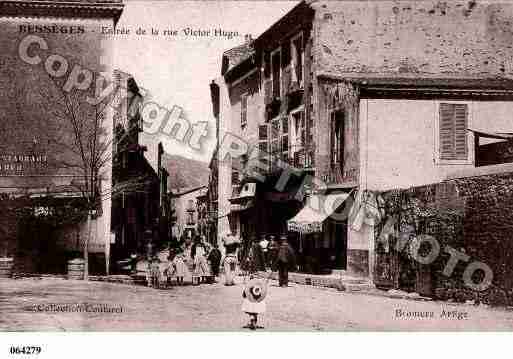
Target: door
<point x="341" y="245"/>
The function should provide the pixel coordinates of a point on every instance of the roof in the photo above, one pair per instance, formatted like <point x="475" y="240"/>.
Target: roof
<point x="236" y="56"/>
<point x="63" y="8"/>
<point x="374" y="86"/>
<point x="438" y="82"/>
<point x="284" y="25"/>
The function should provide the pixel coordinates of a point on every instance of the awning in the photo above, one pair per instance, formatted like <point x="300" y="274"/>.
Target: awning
<point x="495" y="135"/>
<point x="315" y="212"/>
<point x="238" y="207"/>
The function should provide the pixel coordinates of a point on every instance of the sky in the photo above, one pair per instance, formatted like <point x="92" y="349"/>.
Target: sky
<point x="177" y="70"/>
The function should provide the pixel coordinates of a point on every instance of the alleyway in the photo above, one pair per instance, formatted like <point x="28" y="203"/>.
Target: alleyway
<point x="216" y="307"/>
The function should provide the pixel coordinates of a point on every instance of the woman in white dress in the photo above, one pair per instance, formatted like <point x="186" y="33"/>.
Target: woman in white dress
<point x="199" y="257"/>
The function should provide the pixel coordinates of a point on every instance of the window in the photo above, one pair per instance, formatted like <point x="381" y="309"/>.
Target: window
<point x="243" y="111"/>
<point x="297" y="59"/>
<point x="275" y="137"/>
<point x="263" y="144"/>
<point x="236" y="167"/>
<point x="298" y="139"/>
<point x="190" y="218"/>
<point x="337" y="138"/>
<point x="276" y="72"/>
<point x="452" y="128"/>
<point x="285" y="139"/>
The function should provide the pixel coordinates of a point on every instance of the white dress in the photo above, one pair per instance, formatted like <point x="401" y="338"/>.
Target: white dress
<point x="253" y="307"/>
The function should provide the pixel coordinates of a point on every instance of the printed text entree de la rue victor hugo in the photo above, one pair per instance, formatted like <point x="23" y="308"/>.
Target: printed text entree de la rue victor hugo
<point x="138" y="31"/>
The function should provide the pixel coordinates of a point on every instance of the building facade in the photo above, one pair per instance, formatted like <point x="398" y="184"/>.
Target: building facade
<point x="358" y="97"/>
<point x="139" y="195"/>
<point x="185" y="207"/>
<point x="39" y="164"/>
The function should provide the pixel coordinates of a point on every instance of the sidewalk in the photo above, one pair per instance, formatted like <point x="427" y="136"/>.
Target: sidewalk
<point x="344" y="282"/>
<point x="340" y="282"/>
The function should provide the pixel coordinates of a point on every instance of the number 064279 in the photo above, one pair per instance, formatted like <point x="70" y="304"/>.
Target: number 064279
<point x="25" y="350"/>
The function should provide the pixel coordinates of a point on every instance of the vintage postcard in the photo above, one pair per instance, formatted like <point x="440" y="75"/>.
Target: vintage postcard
<point x="255" y="166"/>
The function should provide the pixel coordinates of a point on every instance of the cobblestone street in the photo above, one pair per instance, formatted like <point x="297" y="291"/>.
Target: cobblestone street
<point x="216" y="307"/>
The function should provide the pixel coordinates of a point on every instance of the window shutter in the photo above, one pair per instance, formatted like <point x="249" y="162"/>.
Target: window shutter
<point x="453" y="131"/>
<point x="243" y="111"/>
<point x="235" y="177"/>
<point x="333" y="138"/>
<point x="285" y="138"/>
<point x="263" y="141"/>
<point x="460" y="124"/>
<point x="275" y="137"/>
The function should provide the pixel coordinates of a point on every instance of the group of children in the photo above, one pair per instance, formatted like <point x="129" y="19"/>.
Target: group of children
<point x="174" y="267"/>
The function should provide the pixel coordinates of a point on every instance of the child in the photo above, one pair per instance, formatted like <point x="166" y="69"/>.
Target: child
<point x="169" y="271"/>
<point x="253" y="303"/>
<point x="155" y="272"/>
<point x="179" y="268"/>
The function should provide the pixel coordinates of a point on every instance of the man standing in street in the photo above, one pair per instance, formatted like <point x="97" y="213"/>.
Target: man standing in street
<point x="272" y="252"/>
<point x="214" y="258"/>
<point x="264" y="244"/>
<point x="285" y="260"/>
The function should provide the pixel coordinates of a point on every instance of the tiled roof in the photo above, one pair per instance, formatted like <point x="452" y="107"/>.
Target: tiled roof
<point x="63" y="8"/>
<point x="236" y="55"/>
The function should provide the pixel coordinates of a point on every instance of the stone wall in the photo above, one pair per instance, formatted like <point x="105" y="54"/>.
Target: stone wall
<point x="436" y="38"/>
<point x="472" y="216"/>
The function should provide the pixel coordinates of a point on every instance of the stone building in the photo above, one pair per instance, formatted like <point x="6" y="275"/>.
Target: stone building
<point x="186" y="211"/>
<point x="45" y="46"/>
<point x="364" y="97"/>
<point x="140" y="210"/>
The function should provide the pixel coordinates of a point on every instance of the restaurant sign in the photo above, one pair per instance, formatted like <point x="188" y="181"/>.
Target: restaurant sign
<point x="23" y="163"/>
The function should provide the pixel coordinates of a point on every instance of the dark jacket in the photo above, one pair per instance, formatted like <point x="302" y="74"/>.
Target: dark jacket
<point x="285" y="254"/>
<point x="214" y="256"/>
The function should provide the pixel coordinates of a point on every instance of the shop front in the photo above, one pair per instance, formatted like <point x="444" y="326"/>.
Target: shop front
<point x="318" y="233"/>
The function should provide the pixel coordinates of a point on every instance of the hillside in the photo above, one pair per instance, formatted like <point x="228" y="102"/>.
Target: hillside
<point x="185" y="172"/>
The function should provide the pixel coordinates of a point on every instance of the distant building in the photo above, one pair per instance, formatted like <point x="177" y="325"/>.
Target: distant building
<point x="185" y="206"/>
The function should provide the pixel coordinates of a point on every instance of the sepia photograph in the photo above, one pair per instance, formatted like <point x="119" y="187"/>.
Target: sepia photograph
<point x="255" y="166"/>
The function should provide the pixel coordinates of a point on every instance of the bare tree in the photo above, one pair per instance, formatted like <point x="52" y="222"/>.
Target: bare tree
<point x="83" y="144"/>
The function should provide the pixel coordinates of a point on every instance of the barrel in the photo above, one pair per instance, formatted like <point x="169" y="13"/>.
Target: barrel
<point x="6" y="266"/>
<point x="76" y="268"/>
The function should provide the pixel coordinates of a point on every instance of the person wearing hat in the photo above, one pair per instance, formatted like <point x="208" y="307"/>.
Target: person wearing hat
<point x="214" y="257"/>
<point x="285" y="260"/>
<point x="231" y="243"/>
<point x="264" y="247"/>
<point x="255" y="258"/>
<point x="253" y="302"/>
<point x="272" y="251"/>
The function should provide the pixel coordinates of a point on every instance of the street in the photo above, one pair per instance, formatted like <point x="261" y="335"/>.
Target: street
<point x="28" y="305"/>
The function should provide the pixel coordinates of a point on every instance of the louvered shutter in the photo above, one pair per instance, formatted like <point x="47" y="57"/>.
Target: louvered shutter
<point x="244" y="111"/>
<point x="460" y="124"/>
<point x="263" y="142"/>
<point x="285" y="138"/>
<point x="453" y="131"/>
